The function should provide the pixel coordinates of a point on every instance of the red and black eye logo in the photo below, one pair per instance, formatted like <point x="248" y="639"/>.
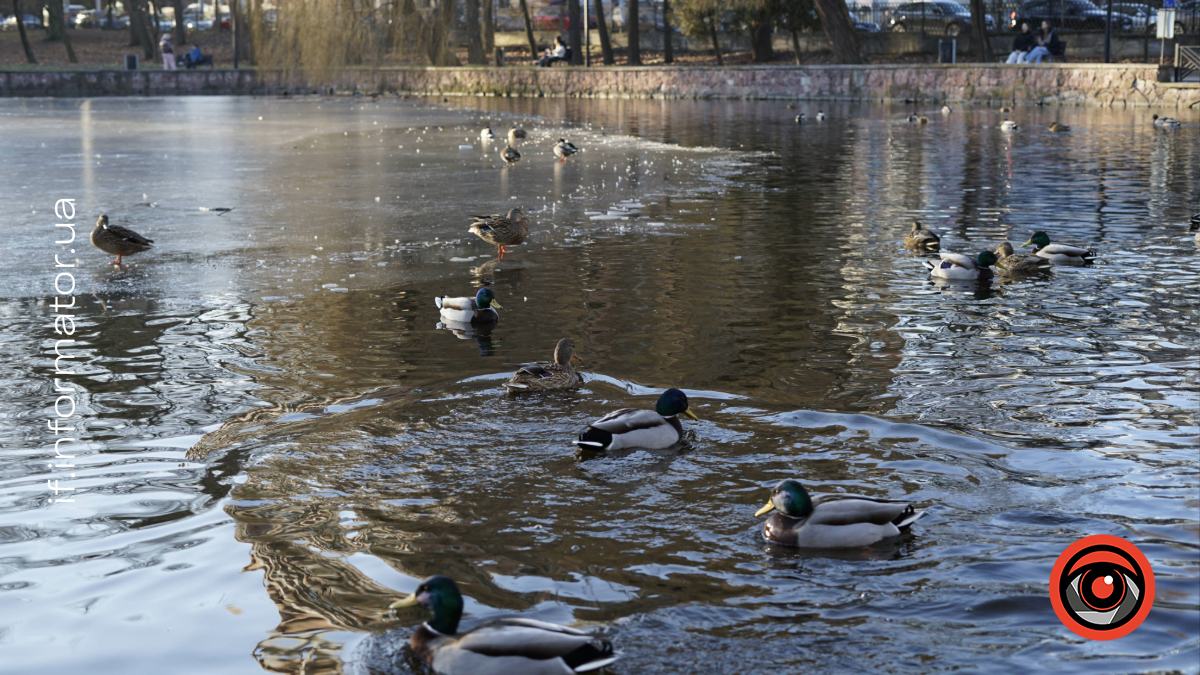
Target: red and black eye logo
<point x="1102" y="587"/>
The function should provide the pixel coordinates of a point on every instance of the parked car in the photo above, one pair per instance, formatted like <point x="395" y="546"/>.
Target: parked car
<point x="864" y="26"/>
<point x="29" y="20"/>
<point x="1068" y="14"/>
<point x="937" y="16"/>
<point x="1138" y="13"/>
<point x="194" y="20"/>
<point x="1187" y="18"/>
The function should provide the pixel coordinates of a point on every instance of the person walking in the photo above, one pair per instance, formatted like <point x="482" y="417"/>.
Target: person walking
<point x="168" y="52"/>
<point x="1048" y="44"/>
<point x="1022" y="44"/>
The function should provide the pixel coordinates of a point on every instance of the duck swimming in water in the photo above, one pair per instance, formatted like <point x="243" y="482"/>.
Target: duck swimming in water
<point x="832" y="520"/>
<point x="958" y="266"/>
<point x="633" y="428"/>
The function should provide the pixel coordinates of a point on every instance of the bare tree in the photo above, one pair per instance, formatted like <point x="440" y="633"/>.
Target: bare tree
<point x="180" y="24"/>
<point x="59" y="22"/>
<point x="475" y="55"/>
<point x="699" y="18"/>
<point x="668" y="48"/>
<point x="979" y="31"/>
<point x="798" y="16"/>
<point x="574" y="34"/>
<point x="835" y="16"/>
<point x="533" y="50"/>
<point x="631" y="31"/>
<point x="489" y="27"/>
<point x="606" y="50"/>
<point x="20" y="18"/>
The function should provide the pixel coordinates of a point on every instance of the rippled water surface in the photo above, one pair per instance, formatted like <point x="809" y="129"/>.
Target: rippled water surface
<point x="277" y="439"/>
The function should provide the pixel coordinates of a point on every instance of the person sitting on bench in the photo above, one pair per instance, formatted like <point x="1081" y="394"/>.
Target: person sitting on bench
<point x="1048" y="44"/>
<point x="558" y="53"/>
<point x="1022" y="45"/>
<point x="195" y="58"/>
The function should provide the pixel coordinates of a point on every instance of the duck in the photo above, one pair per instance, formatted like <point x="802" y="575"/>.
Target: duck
<point x="497" y="646"/>
<point x="800" y="118"/>
<point x="820" y="116"/>
<point x="1057" y="128"/>
<point x="832" y="520"/>
<point x="1018" y="264"/>
<point x="564" y="149"/>
<point x="487" y="135"/>
<point x="922" y="120"/>
<point x="501" y="231"/>
<point x="1059" y="254"/>
<point x="514" y="134"/>
<point x="117" y="240"/>
<point x="479" y="309"/>
<point x="1005" y="109"/>
<point x="962" y="267"/>
<point x="913" y="117"/>
<point x="1166" y="122"/>
<point x="511" y="155"/>
<point x="544" y="376"/>
<point x="945" y="110"/>
<point x="633" y="428"/>
<point x="1008" y="125"/>
<point x="921" y="239"/>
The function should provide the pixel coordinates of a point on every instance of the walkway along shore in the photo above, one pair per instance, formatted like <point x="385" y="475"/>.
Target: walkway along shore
<point x="1133" y="85"/>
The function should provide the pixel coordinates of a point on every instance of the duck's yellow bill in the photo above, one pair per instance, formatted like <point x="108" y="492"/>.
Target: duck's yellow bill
<point x="691" y="414"/>
<point x="766" y="509"/>
<point x="496" y="305"/>
<point x="1027" y="243"/>
<point x="410" y="601"/>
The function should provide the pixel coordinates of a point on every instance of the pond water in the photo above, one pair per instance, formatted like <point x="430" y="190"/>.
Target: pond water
<point x="277" y="440"/>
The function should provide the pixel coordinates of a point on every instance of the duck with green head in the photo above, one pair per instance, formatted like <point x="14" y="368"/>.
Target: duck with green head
<point x="499" y="646"/>
<point x="1059" y="254"/>
<point x="831" y="521"/>
<point x="479" y="309"/>
<point x="633" y="428"/>
<point x="959" y="266"/>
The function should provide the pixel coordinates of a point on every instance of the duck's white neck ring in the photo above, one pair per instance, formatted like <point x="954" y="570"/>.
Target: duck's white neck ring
<point x="433" y="630"/>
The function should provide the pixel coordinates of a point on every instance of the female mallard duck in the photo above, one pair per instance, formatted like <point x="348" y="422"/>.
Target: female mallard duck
<point x="498" y="646"/>
<point x="1005" y="109"/>
<point x="501" y="231"/>
<point x="832" y="521"/>
<point x="487" y="135"/>
<point x="921" y="239"/>
<point x="958" y="266"/>
<point x="514" y="134"/>
<point x="1056" y="128"/>
<point x="922" y="120"/>
<point x="1166" y="122"/>
<point x="564" y="149"/>
<point x="1059" y="254"/>
<point x="1008" y="125"/>
<point x="633" y="428"/>
<point x="479" y="309"/>
<point x="117" y="240"/>
<point x="510" y="155"/>
<point x="1018" y="264"/>
<point x="543" y="376"/>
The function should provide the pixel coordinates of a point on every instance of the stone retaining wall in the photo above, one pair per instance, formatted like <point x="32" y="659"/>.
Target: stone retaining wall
<point x="1061" y="84"/>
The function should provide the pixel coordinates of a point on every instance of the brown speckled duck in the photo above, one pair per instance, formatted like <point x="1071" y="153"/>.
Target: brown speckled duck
<point x="501" y="231"/>
<point x="117" y="240"/>
<point x="921" y="239"/>
<point x="546" y="376"/>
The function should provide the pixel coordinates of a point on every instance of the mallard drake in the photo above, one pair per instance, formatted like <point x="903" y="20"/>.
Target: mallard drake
<point x="1059" y="254"/>
<point x="633" y="428"/>
<point x="945" y="110"/>
<point x="487" y="135"/>
<point x="564" y="149"/>
<point x="117" y="240"/>
<point x="831" y="521"/>
<point x="1018" y="264"/>
<point x="501" y="231"/>
<point x="820" y="116"/>
<point x="958" y="266"/>
<point x="912" y="118"/>
<point x="800" y="118"/>
<point x="1166" y="122"/>
<point x="479" y="309"/>
<point x="1056" y="128"/>
<point x="511" y="155"/>
<point x="543" y="376"/>
<point x="498" y="646"/>
<point x="921" y="239"/>
<point x="1008" y="125"/>
<point x="514" y="134"/>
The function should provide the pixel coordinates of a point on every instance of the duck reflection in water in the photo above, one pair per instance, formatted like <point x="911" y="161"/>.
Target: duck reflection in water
<point x="980" y="288"/>
<point x="481" y="333"/>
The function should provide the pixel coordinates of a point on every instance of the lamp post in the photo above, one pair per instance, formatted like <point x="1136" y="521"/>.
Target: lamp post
<point x="1108" y="35"/>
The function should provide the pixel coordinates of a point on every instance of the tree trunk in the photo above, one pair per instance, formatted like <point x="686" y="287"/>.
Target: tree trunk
<point x="835" y="16"/>
<point x="631" y="29"/>
<point x="445" y="52"/>
<point x="712" y="32"/>
<point x="606" y="52"/>
<point x="983" y="52"/>
<point x="54" y="22"/>
<point x="180" y="27"/>
<point x="489" y="27"/>
<point x="796" y="46"/>
<point x="574" y="34"/>
<point x="57" y="17"/>
<point x="668" y="48"/>
<point x="475" y="55"/>
<point x="533" y="50"/>
<point x="24" y="36"/>
<point x="145" y="38"/>
<point x="760" y="42"/>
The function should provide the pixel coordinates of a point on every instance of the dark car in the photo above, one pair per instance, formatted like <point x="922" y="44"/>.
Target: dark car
<point x="863" y="26"/>
<point x="1069" y="14"/>
<point x="938" y="16"/>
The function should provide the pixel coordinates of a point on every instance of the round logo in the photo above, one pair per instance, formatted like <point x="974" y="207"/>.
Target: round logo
<point x="1102" y="587"/>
